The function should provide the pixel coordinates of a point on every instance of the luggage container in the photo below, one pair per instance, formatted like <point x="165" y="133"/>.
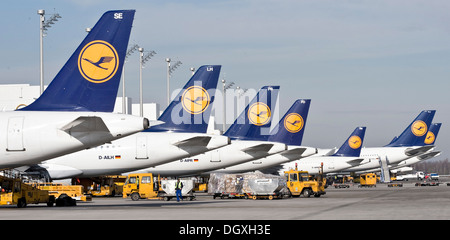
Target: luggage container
<point x="247" y="185"/>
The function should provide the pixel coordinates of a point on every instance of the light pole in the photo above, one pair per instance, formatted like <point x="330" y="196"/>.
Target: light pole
<point x="129" y="52"/>
<point x="225" y="87"/>
<point x="170" y="69"/>
<point x="44" y="26"/>
<point x="142" y="60"/>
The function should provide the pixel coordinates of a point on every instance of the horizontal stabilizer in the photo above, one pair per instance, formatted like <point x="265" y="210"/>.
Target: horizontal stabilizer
<point x="416" y="151"/>
<point x="429" y="155"/>
<point x="293" y="154"/>
<point x="355" y="162"/>
<point x="199" y="141"/>
<point x="85" y="125"/>
<point x="260" y="148"/>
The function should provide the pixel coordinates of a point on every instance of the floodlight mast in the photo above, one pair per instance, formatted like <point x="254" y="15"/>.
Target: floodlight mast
<point x="129" y="52"/>
<point x="170" y="69"/>
<point x="225" y="87"/>
<point x="142" y="60"/>
<point x="43" y="27"/>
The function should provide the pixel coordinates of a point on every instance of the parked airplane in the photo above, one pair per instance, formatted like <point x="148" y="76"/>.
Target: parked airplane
<point x="348" y="155"/>
<point x="409" y="144"/>
<point x="182" y="134"/>
<point x="246" y="144"/>
<point x="289" y="131"/>
<point x="71" y="114"/>
<point x="429" y="140"/>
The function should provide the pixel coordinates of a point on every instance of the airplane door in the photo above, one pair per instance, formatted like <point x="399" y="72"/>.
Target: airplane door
<point x="215" y="156"/>
<point x="141" y="147"/>
<point x="330" y="165"/>
<point x="15" y="134"/>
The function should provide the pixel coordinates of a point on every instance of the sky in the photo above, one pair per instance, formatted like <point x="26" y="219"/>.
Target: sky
<point x="361" y="62"/>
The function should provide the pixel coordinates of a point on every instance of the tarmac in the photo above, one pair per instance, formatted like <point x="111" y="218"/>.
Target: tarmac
<point x="409" y="202"/>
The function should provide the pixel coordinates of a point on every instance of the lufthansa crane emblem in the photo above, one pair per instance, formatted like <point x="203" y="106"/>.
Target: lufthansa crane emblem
<point x="259" y="114"/>
<point x="98" y="61"/>
<point x="195" y="100"/>
<point x="293" y="122"/>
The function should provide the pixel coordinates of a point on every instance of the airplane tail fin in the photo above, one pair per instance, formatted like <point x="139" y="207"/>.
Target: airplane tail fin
<point x="190" y="110"/>
<point x="89" y="80"/>
<point x="255" y="121"/>
<point x="415" y="133"/>
<point x="352" y="146"/>
<point x="291" y="127"/>
<point x="432" y="133"/>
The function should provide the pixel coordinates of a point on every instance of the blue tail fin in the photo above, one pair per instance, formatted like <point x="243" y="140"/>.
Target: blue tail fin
<point x="352" y="146"/>
<point x="415" y="133"/>
<point x="291" y="127"/>
<point x="90" y="78"/>
<point x="432" y="133"/>
<point x="255" y="121"/>
<point x="191" y="109"/>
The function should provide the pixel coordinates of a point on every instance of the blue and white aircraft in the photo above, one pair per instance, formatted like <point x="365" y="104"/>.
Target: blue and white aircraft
<point x="429" y="140"/>
<point x="409" y="144"/>
<point x="348" y="155"/>
<point x="289" y="131"/>
<point x="183" y="134"/>
<point x="74" y="112"/>
<point x="246" y="145"/>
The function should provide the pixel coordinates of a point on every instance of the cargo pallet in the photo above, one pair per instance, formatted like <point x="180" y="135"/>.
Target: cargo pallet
<point x="422" y="184"/>
<point x="395" y="185"/>
<point x="266" y="196"/>
<point x="231" y="195"/>
<point x="341" y="185"/>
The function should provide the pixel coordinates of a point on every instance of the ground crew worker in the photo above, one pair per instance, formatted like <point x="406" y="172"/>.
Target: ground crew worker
<point x="178" y="187"/>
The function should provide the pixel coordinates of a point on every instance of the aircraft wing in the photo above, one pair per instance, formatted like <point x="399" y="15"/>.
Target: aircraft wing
<point x="416" y="151"/>
<point x="197" y="141"/>
<point x="293" y="154"/>
<point x="258" y="149"/>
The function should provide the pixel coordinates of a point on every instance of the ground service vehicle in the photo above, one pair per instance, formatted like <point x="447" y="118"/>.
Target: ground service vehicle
<point x="146" y="186"/>
<point x="59" y="190"/>
<point x="412" y="176"/>
<point x="301" y="183"/>
<point x="107" y="186"/>
<point x="13" y="191"/>
<point x="368" y="180"/>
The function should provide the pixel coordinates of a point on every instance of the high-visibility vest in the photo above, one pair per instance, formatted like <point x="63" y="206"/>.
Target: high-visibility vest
<point x="178" y="185"/>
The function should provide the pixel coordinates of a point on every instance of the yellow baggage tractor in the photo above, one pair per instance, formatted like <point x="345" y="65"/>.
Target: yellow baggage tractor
<point x="13" y="191"/>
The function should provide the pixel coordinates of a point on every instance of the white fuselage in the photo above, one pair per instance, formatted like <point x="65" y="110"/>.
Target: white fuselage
<point x="269" y="161"/>
<point x="34" y="136"/>
<point x="313" y="164"/>
<point x="217" y="159"/>
<point x="372" y="157"/>
<point x="141" y="150"/>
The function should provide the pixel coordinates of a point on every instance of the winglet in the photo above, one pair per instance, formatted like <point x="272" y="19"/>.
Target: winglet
<point x="352" y="146"/>
<point x="415" y="133"/>
<point x="89" y="80"/>
<point x="190" y="110"/>
<point x="257" y="116"/>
